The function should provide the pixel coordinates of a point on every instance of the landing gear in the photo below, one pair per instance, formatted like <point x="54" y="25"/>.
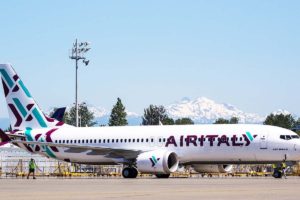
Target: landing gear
<point x="277" y="173"/>
<point x="162" y="175"/>
<point x="129" y="172"/>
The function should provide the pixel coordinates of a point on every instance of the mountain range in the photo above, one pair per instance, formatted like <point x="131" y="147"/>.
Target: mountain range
<point x="201" y="110"/>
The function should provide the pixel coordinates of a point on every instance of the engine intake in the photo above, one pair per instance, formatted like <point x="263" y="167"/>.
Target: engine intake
<point x="157" y="161"/>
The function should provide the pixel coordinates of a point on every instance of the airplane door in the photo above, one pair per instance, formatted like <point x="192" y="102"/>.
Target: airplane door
<point x="263" y="142"/>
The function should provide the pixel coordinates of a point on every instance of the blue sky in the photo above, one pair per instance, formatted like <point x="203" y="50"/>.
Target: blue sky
<point x="246" y="53"/>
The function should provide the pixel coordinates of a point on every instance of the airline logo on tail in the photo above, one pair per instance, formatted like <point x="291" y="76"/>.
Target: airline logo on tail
<point x="23" y="110"/>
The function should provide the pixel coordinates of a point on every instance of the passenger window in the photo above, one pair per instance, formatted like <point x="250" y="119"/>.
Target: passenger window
<point x="121" y="140"/>
<point x="99" y="141"/>
<point x="55" y="141"/>
<point x="164" y="139"/>
<point x="107" y="140"/>
<point x="91" y="141"/>
<point x="142" y="140"/>
<point x="87" y="141"/>
<point x="133" y="140"/>
<point x="95" y="141"/>
<point x="125" y="140"/>
<point x="78" y="141"/>
<point x="82" y="141"/>
<point x="75" y="141"/>
<point x="59" y="141"/>
<point x="63" y="141"/>
<point x="71" y="141"/>
<point x="113" y="140"/>
<point x="117" y="140"/>
<point x="104" y="141"/>
<point x="159" y="140"/>
<point x="147" y="140"/>
<point x="129" y="140"/>
<point x="152" y="140"/>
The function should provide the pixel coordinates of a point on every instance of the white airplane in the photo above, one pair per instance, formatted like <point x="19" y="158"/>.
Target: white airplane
<point x="156" y="150"/>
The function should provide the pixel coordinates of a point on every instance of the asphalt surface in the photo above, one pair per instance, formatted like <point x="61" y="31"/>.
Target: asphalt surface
<point x="151" y="188"/>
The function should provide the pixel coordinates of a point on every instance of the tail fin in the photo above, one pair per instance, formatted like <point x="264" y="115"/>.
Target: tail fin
<point x="23" y="111"/>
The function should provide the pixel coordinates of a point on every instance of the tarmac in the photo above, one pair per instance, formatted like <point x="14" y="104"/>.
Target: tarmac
<point x="151" y="188"/>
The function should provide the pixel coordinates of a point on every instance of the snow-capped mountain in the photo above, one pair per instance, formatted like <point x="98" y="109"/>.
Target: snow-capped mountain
<point x="281" y="111"/>
<point x="204" y="110"/>
<point x="201" y="110"/>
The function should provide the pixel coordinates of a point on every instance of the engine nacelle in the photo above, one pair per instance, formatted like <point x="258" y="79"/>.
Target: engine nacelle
<point x="212" y="168"/>
<point x="157" y="161"/>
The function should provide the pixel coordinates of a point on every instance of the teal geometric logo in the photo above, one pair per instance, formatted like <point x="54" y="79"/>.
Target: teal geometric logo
<point x="250" y="137"/>
<point x="154" y="160"/>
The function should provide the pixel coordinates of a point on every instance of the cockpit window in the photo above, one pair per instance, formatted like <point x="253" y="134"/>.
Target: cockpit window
<point x="289" y="137"/>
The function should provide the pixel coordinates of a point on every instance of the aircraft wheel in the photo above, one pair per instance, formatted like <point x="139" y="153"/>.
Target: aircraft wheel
<point x="129" y="172"/>
<point x="277" y="174"/>
<point x="162" y="175"/>
<point x="134" y="172"/>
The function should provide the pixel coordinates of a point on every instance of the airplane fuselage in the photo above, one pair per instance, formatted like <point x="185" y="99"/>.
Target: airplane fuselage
<point x="199" y="144"/>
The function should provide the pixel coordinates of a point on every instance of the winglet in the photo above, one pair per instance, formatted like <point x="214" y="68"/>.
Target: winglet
<point x="4" y="139"/>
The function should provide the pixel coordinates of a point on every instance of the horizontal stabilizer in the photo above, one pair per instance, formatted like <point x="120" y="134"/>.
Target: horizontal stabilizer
<point x="4" y="139"/>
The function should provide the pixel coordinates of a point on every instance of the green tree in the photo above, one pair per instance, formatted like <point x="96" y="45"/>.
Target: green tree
<point x="118" y="115"/>
<point x="155" y="114"/>
<point x="281" y="120"/>
<point x="85" y="116"/>
<point x="296" y="126"/>
<point x="168" y="121"/>
<point x="183" y="121"/>
<point x="221" y="121"/>
<point x="232" y="120"/>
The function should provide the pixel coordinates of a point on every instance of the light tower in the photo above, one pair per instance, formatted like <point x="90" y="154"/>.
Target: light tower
<point x="77" y="53"/>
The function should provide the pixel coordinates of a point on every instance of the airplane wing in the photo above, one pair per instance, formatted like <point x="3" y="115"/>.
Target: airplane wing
<point x="93" y="150"/>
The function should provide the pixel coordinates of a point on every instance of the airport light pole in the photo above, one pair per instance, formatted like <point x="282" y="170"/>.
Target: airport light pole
<point x="77" y="53"/>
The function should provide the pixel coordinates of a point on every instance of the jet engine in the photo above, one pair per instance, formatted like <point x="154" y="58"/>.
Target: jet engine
<point x="157" y="161"/>
<point x="212" y="168"/>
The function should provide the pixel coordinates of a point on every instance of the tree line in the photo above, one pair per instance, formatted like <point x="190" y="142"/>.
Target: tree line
<point x="157" y="115"/>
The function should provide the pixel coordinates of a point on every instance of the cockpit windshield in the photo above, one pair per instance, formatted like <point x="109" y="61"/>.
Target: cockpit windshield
<point x="289" y="137"/>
